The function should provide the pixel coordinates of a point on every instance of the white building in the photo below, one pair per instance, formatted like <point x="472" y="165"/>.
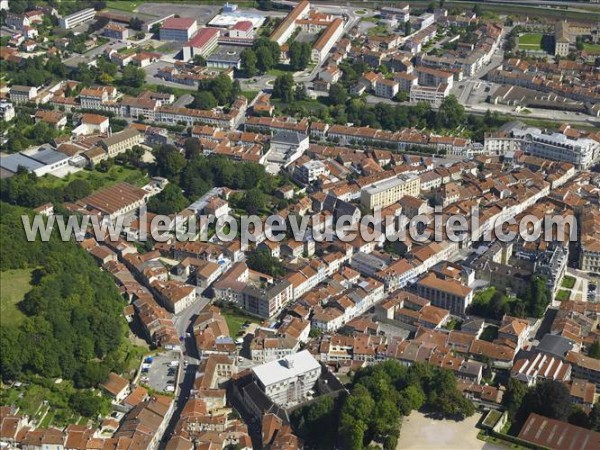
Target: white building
<point x="22" y="94"/>
<point x="286" y="381"/>
<point x="327" y="40"/>
<point x="7" y="111"/>
<point x="582" y="152"/>
<point x="311" y="171"/>
<point x="387" y="192"/>
<point x="432" y="95"/>
<point x="77" y="18"/>
<point x="286" y="147"/>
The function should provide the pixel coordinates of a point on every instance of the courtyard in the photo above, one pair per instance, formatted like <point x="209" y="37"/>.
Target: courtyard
<point x="420" y="432"/>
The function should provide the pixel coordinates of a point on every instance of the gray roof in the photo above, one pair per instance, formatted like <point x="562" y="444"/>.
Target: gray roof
<point x="12" y="163"/>
<point x="554" y="345"/>
<point x="289" y="137"/>
<point x="48" y="156"/>
<point x="121" y="136"/>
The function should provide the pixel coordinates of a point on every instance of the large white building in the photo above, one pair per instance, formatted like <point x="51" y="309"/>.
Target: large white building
<point x="327" y="40"/>
<point x="385" y="193"/>
<point x="582" y="152"/>
<point x="77" y="18"/>
<point x="287" y="27"/>
<point x="286" y="381"/>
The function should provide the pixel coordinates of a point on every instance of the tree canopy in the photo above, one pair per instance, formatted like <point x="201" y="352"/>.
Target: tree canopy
<point x="73" y="327"/>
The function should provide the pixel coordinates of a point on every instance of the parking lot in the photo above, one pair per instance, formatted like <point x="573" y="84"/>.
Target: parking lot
<point x="161" y="375"/>
<point x="202" y="13"/>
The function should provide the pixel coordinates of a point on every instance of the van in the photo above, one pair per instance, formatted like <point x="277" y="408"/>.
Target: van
<point x="174" y="363"/>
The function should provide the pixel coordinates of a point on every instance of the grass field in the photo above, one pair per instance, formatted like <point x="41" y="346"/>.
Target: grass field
<point x="563" y="295"/>
<point x="235" y="318"/>
<point x="116" y="174"/>
<point x="568" y="282"/>
<point x="530" y="41"/>
<point x="14" y="284"/>
<point x="249" y="95"/>
<point x="277" y="72"/>
<point x="592" y="48"/>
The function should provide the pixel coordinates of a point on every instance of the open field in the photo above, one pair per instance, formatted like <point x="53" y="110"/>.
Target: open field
<point x="14" y="284"/>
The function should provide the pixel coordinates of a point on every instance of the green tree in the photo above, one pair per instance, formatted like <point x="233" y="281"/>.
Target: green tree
<point x="407" y="28"/>
<point x="77" y="189"/>
<point x="136" y="23"/>
<point x="169" y="162"/>
<point x="133" y="76"/>
<point x="264" y="59"/>
<point x="204" y="100"/>
<point x="262" y="261"/>
<point x="248" y="62"/>
<point x="272" y="46"/>
<point x="283" y="88"/>
<point x="199" y="60"/>
<point x="169" y="201"/>
<point x="192" y="147"/>
<point x="594" y="417"/>
<point x="548" y="398"/>
<point x="451" y="113"/>
<point x="300" y="53"/>
<point x="594" y="350"/>
<point x="254" y="201"/>
<point x="337" y="94"/>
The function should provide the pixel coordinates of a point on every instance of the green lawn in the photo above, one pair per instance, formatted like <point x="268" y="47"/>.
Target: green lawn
<point x="116" y="174"/>
<point x="249" y="95"/>
<point x="14" y="284"/>
<point x="123" y="5"/>
<point x="595" y="48"/>
<point x="47" y="419"/>
<point x="235" y="318"/>
<point x="276" y="72"/>
<point x="568" y="282"/>
<point x="378" y="30"/>
<point x="530" y="41"/>
<point x="563" y="295"/>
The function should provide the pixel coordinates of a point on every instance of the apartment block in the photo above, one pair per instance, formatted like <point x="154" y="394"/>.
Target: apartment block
<point x="448" y="294"/>
<point x="287" y="381"/>
<point x="380" y="195"/>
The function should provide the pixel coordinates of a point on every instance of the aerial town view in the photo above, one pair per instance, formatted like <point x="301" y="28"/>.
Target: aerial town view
<point x="307" y="224"/>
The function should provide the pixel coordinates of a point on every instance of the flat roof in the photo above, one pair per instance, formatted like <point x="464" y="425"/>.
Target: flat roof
<point x="389" y="183"/>
<point x="12" y="162"/>
<point x="48" y="156"/>
<point x="178" y="23"/>
<point x="229" y="19"/>
<point x="226" y="53"/>
<point x="285" y="368"/>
